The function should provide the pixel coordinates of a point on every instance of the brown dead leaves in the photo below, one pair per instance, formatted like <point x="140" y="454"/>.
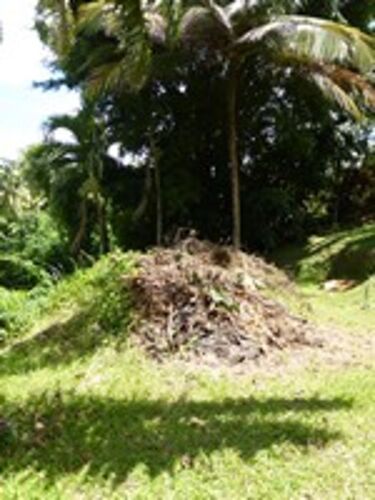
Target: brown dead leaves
<point x="204" y="301"/>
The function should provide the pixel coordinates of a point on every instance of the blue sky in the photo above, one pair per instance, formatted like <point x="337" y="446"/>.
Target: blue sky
<point x="22" y="61"/>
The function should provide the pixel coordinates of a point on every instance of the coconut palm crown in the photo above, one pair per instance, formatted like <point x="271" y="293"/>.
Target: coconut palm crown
<point x="340" y="59"/>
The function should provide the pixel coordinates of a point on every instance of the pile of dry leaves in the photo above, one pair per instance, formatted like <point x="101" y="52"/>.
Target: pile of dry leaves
<point x="202" y="300"/>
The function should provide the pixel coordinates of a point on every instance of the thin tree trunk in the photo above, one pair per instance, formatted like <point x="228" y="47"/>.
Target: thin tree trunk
<point x="233" y="154"/>
<point x="159" y="205"/>
<point x="103" y="231"/>
<point x="141" y="209"/>
<point x="81" y="233"/>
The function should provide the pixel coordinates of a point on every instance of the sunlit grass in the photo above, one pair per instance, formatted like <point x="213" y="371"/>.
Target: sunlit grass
<point x="344" y="254"/>
<point x="353" y="310"/>
<point x="85" y="416"/>
<point x="116" y="425"/>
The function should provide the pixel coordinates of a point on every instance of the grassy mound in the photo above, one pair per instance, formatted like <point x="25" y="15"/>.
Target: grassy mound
<point x="70" y="318"/>
<point x="346" y="254"/>
<point x="196" y="300"/>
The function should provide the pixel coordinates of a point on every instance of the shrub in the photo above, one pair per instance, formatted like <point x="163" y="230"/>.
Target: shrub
<point x="34" y="237"/>
<point x="19" y="274"/>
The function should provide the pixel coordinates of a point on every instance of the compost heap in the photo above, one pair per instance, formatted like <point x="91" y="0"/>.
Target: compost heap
<point x="207" y="301"/>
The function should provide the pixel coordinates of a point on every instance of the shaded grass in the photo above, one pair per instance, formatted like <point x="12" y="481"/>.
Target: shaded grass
<point x="63" y="432"/>
<point x="347" y="254"/>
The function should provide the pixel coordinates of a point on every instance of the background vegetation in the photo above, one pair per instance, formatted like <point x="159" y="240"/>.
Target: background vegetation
<point x="150" y="151"/>
<point x="148" y="156"/>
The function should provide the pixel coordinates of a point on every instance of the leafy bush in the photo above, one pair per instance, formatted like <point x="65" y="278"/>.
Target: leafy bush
<point x="98" y="293"/>
<point x="19" y="274"/>
<point x="34" y="237"/>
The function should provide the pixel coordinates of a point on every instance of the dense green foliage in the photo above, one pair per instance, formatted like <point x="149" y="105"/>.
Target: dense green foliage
<point x="150" y="150"/>
<point x="70" y="177"/>
<point x="32" y="251"/>
<point x="154" y="84"/>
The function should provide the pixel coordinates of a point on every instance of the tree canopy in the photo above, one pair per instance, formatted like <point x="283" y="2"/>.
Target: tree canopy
<point x="280" y="91"/>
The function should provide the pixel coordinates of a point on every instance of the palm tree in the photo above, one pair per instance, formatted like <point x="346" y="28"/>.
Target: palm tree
<point x="58" y="166"/>
<point x="89" y="152"/>
<point x="337" y="57"/>
<point x="123" y="64"/>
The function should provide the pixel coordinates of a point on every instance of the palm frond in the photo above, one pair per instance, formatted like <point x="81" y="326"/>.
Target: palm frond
<point x="352" y="82"/>
<point x="92" y="17"/>
<point x="124" y="60"/>
<point x="105" y="77"/>
<point x="316" y="39"/>
<point x="54" y="22"/>
<point x="68" y="122"/>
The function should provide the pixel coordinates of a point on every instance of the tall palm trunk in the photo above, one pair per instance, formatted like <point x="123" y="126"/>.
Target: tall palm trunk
<point x="233" y="153"/>
<point x="152" y="167"/>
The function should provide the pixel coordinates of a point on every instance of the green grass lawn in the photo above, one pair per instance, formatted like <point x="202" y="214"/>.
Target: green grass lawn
<point x="114" y="425"/>
<point x="88" y="417"/>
